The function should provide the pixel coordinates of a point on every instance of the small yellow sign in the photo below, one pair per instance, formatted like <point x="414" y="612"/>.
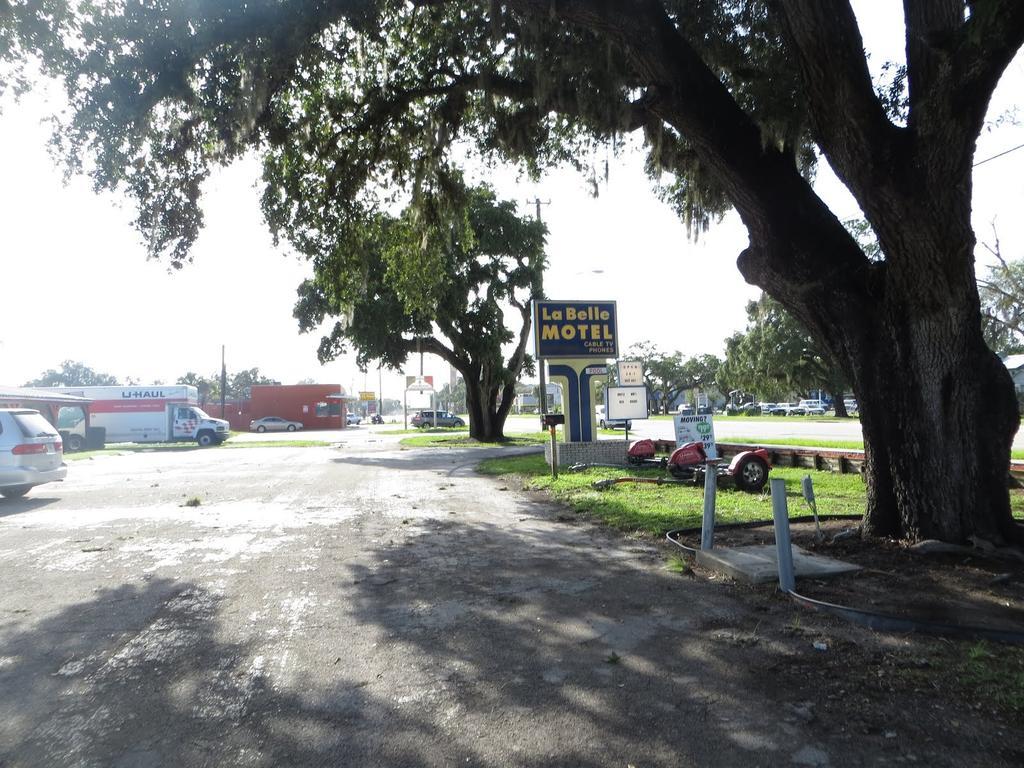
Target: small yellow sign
<point x="367" y="396"/>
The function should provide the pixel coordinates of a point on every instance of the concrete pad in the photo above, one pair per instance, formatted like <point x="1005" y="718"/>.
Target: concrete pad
<point x="759" y="564"/>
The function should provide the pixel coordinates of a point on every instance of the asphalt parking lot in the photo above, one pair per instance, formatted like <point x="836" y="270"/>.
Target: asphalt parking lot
<point x="365" y="606"/>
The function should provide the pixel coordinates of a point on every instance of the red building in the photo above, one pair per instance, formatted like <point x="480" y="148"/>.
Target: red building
<point x="308" y="403"/>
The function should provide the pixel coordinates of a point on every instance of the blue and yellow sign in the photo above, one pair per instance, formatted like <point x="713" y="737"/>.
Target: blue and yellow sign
<point x="574" y="329"/>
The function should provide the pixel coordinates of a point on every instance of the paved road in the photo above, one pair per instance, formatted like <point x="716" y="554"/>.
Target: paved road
<point x="368" y="606"/>
<point x="763" y="430"/>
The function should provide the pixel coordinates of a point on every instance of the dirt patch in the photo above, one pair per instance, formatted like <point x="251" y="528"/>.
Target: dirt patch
<point x="963" y="589"/>
<point x="906" y="698"/>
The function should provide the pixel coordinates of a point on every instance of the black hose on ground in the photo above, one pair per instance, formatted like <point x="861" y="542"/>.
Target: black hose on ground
<point x="671" y="535"/>
<point x="881" y="622"/>
<point x="886" y="623"/>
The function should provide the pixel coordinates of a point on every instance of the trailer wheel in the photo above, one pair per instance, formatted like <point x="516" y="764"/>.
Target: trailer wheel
<point x="206" y="439"/>
<point x="75" y="443"/>
<point x="751" y="474"/>
<point x="602" y="424"/>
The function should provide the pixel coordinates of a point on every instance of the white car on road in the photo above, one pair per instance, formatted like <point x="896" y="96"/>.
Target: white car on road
<point x="31" y="452"/>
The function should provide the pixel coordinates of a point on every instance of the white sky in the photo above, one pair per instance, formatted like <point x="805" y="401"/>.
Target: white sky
<point x="78" y="286"/>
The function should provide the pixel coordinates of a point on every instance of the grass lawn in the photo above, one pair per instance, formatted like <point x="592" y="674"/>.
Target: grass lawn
<point x="462" y="440"/>
<point x="797" y="441"/>
<point x="656" y="509"/>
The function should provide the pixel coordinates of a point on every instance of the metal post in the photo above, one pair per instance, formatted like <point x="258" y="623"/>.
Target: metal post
<point x="783" y="545"/>
<point x="707" y="526"/>
<point x="554" y="453"/>
<point x="540" y="367"/>
<point x="808" y="488"/>
<point x="540" y="294"/>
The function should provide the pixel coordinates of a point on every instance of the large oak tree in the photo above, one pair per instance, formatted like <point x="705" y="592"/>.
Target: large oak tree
<point x="396" y="288"/>
<point x="735" y="99"/>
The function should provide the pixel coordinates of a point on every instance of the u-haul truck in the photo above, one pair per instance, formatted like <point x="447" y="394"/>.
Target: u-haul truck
<point x="151" y="414"/>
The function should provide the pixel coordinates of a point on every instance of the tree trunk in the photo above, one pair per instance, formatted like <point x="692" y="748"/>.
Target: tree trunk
<point x="486" y="417"/>
<point x="937" y="407"/>
<point x="939" y="413"/>
<point x="841" y="412"/>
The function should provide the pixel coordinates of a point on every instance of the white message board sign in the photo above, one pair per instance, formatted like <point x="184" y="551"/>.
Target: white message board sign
<point x="625" y="403"/>
<point x="631" y="373"/>
<point x="696" y="429"/>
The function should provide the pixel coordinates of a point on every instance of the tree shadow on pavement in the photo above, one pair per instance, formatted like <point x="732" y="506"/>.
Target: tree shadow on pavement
<point x="594" y="654"/>
<point x="512" y="642"/>
<point x="145" y="677"/>
<point x="583" y="649"/>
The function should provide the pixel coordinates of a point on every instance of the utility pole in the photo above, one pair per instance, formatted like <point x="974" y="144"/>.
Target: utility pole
<point x="223" y="383"/>
<point x="542" y="375"/>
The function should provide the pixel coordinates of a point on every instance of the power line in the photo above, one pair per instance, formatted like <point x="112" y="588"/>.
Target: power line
<point x="1012" y="149"/>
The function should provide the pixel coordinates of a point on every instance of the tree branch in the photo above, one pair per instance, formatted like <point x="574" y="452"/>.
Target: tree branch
<point x="434" y="346"/>
<point x="783" y="214"/>
<point x="849" y="121"/>
<point x="987" y="43"/>
<point x="931" y="26"/>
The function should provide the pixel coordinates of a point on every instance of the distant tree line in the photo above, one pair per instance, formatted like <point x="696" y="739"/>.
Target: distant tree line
<point x="73" y="373"/>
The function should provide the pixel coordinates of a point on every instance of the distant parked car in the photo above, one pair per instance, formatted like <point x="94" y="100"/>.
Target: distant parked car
<point x="424" y="419"/>
<point x="788" y="409"/>
<point x="814" y="407"/>
<point x="605" y="423"/>
<point x="274" y="424"/>
<point x="352" y="419"/>
<point x="31" y="452"/>
<point x="851" y="405"/>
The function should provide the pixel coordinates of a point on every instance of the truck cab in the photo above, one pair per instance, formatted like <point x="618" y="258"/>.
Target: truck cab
<point x="189" y="422"/>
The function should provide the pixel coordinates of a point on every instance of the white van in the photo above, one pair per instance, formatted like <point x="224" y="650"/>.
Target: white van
<point x="31" y="452"/>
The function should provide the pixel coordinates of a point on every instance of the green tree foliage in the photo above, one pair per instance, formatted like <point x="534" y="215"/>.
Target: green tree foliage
<point x="1002" y="303"/>
<point x="454" y="398"/>
<point x="775" y="357"/>
<point x="669" y="375"/>
<point x="72" y="374"/>
<point x="360" y="106"/>
<point x="240" y="383"/>
<point x="208" y="386"/>
<point x="662" y="373"/>
<point x="397" y="286"/>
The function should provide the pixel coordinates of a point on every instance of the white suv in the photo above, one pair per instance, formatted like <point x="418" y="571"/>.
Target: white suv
<point x="31" y="452"/>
